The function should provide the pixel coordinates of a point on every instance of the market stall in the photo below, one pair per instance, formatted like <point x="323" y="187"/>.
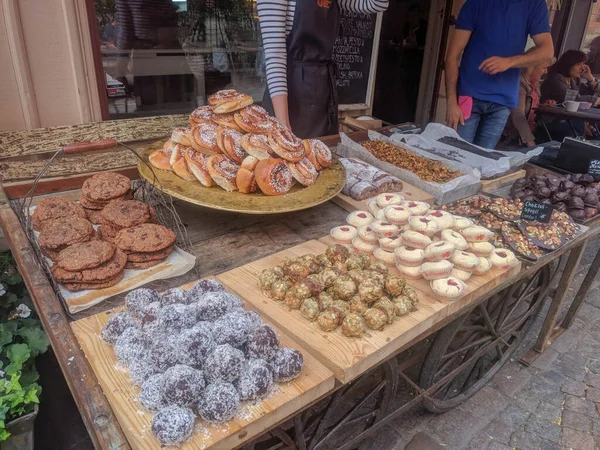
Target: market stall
<point x="351" y="368"/>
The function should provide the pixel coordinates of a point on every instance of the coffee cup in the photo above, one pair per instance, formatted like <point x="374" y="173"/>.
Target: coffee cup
<point x="571" y="106"/>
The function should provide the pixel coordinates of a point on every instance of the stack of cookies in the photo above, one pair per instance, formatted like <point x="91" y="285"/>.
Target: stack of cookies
<point x="89" y="265"/>
<point x="118" y="215"/>
<point x="146" y="245"/>
<point x="99" y="190"/>
<point x="58" y="234"/>
<point x="52" y="208"/>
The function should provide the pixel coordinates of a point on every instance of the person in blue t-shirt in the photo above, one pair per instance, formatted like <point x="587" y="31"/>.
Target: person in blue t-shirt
<point x="491" y="36"/>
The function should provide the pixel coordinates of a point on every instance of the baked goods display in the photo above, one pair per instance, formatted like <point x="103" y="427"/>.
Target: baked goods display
<point x="340" y="289"/>
<point x="197" y="353"/>
<point x="576" y="194"/>
<point x="365" y="181"/>
<point x="227" y="143"/>
<point x="426" y="169"/>
<point x="87" y="256"/>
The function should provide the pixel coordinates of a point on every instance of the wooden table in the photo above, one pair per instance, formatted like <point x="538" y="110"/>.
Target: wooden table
<point x="224" y="241"/>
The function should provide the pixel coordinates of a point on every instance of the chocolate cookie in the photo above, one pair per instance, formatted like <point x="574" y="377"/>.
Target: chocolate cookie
<point x="50" y="253"/>
<point x="105" y="186"/>
<point x="93" y="215"/>
<point x="65" y="231"/>
<point x="153" y="256"/>
<point x="96" y="205"/>
<point x="101" y="273"/>
<point x="145" y="238"/>
<point x="126" y="213"/>
<point x="86" y="255"/>
<point x="52" y="208"/>
<point x="73" y="287"/>
<point x="143" y="265"/>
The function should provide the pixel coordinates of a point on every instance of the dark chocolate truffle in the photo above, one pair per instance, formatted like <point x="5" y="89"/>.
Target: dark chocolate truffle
<point x="115" y="326"/>
<point x="140" y="370"/>
<point x="263" y="343"/>
<point x="182" y="385"/>
<point x="211" y="306"/>
<point x="130" y="345"/>
<point x="225" y="363"/>
<point x="219" y="403"/>
<point x="173" y="425"/>
<point x="150" y="396"/>
<point x="164" y="353"/>
<point x="232" y="328"/>
<point x="255" y="319"/>
<point x="174" y="318"/>
<point x="287" y="364"/>
<point x="195" y="344"/>
<point x="149" y="318"/>
<point x="203" y="286"/>
<point x="255" y="381"/>
<point x="137" y="300"/>
<point x="172" y="296"/>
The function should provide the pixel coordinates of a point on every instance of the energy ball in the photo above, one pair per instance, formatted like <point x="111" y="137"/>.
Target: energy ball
<point x="174" y="318"/>
<point x="164" y="353"/>
<point x="130" y="345"/>
<point x="225" y="364"/>
<point x="173" y="425"/>
<point x="195" y="344"/>
<point x="204" y="286"/>
<point x="219" y="403"/>
<point x="115" y="326"/>
<point x="286" y="365"/>
<point x="353" y="325"/>
<point x="263" y="343"/>
<point x="150" y="318"/>
<point x="150" y="396"/>
<point x="172" y="296"/>
<point x="232" y="328"/>
<point x="182" y="385"/>
<point x="211" y="305"/>
<point x="140" y="370"/>
<point x="255" y="381"/>
<point x="137" y="300"/>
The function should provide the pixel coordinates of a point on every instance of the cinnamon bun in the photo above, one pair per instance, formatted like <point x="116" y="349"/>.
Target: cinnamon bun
<point x="223" y="171"/>
<point x="229" y="100"/>
<point x="303" y="171"/>
<point x="203" y="114"/>
<point x="182" y="136"/>
<point x="198" y="164"/>
<point x="176" y="154"/>
<point x="169" y="144"/>
<point x="182" y="171"/>
<point x="161" y="159"/>
<point x="227" y="121"/>
<point x="204" y="138"/>
<point x="286" y="144"/>
<point x="254" y="119"/>
<point x="319" y="151"/>
<point x="257" y="145"/>
<point x="245" y="179"/>
<point x="273" y="177"/>
<point x="229" y="142"/>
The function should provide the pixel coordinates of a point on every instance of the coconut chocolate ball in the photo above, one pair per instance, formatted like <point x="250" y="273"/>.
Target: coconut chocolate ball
<point x="256" y="380"/>
<point x="140" y="370"/>
<point x="225" y="364"/>
<point x="115" y="326"/>
<point x="176" y="317"/>
<point x="182" y="385"/>
<point x="219" y="403"/>
<point x="130" y="345"/>
<point x="173" y="425"/>
<point x="195" y="344"/>
<point x="173" y="296"/>
<point x="164" y="353"/>
<point x="204" y="286"/>
<point x="137" y="300"/>
<point x="150" y="396"/>
<point x="149" y="318"/>
<point x="287" y="364"/>
<point x="232" y="328"/>
<point x="255" y="319"/>
<point x="263" y="343"/>
<point x="211" y="305"/>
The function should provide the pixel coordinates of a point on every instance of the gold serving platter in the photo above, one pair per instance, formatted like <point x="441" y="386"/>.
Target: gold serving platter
<point x="328" y="185"/>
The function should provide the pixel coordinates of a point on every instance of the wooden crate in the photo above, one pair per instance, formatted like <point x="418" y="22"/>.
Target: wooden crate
<point x="489" y="186"/>
<point x="409" y="192"/>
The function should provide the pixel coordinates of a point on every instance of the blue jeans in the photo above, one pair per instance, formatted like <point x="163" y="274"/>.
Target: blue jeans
<point x="485" y="125"/>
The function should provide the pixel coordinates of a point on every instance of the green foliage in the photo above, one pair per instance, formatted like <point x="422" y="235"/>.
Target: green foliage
<point x="21" y="340"/>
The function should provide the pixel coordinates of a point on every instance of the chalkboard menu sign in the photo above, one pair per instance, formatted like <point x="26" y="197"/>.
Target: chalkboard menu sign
<point x="537" y="212"/>
<point x="594" y="168"/>
<point x="352" y="53"/>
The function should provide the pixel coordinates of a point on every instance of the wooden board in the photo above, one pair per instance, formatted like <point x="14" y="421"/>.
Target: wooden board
<point x="314" y="382"/>
<point x="347" y="357"/>
<point x="409" y="192"/>
<point x="490" y="186"/>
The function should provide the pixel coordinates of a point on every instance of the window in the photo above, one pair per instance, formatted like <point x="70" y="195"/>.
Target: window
<point x="167" y="56"/>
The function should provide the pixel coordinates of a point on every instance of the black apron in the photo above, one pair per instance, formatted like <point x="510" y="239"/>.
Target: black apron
<point x="312" y="94"/>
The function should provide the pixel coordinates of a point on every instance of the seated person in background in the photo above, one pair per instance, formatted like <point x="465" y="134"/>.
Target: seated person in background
<point x="521" y="122"/>
<point x="568" y="73"/>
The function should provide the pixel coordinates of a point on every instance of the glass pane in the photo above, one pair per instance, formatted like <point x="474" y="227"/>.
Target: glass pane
<point x="167" y="56"/>
<point x="591" y="40"/>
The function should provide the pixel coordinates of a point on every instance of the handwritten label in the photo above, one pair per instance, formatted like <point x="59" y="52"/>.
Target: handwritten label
<point x="537" y="212"/>
<point x="594" y="167"/>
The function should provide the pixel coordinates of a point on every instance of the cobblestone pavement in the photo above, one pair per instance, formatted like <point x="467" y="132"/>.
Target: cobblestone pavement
<point x="554" y="404"/>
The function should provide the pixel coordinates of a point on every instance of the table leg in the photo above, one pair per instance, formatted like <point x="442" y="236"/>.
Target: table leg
<point x="582" y="292"/>
<point x="545" y="127"/>
<point x="573" y="128"/>
<point x="559" y="298"/>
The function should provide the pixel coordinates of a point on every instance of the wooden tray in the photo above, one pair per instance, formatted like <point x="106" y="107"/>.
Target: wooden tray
<point x="409" y="192"/>
<point x="349" y="357"/>
<point x="489" y="186"/>
<point x="314" y="382"/>
<point x="330" y="182"/>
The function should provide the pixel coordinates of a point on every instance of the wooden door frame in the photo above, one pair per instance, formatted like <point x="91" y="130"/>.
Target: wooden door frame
<point x="90" y="6"/>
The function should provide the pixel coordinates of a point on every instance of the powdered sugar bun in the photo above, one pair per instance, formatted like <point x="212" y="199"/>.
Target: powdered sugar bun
<point x="460" y="223"/>
<point x="384" y="229"/>
<point x="388" y="258"/>
<point x="464" y="260"/>
<point x="443" y="218"/>
<point x="416" y="239"/>
<point x="384" y="200"/>
<point x="484" y="266"/>
<point x="200" y="115"/>
<point x="409" y="256"/>
<point x="359" y="218"/>
<point x="397" y="214"/>
<point x="436" y="270"/>
<point x="366" y="234"/>
<point x="416" y="208"/>
<point x="450" y="288"/>
<point x="362" y="246"/>
<point x="343" y="234"/>
<point x="390" y="244"/>
<point x="477" y="233"/>
<point x="439" y="251"/>
<point x="182" y="136"/>
<point x="455" y="238"/>
<point x="425" y="226"/>
<point x="204" y="138"/>
<point x="463" y="275"/>
<point x="481" y="248"/>
<point x="412" y="272"/>
<point x="503" y="259"/>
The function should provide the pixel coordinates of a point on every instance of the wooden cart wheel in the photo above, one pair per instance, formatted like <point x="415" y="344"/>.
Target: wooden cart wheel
<point x="476" y="345"/>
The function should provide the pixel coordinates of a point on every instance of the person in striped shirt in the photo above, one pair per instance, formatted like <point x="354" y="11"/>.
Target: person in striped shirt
<point x="298" y="39"/>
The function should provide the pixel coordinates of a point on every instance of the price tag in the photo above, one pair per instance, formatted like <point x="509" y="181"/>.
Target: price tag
<point x="594" y="167"/>
<point x="537" y="212"/>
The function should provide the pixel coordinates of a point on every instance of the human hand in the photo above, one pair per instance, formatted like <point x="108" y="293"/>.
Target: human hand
<point x="495" y="64"/>
<point x="454" y="115"/>
<point x="587" y="73"/>
<point x="531" y="144"/>
<point x="549" y="103"/>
